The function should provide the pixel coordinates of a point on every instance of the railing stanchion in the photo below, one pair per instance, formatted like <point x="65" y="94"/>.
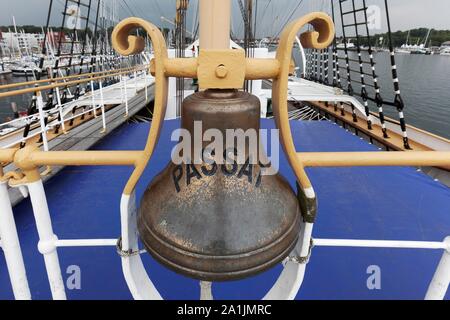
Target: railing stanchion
<point x="102" y="104"/>
<point x="61" y="115"/>
<point x="122" y="98"/>
<point x="11" y="247"/>
<point x="47" y="239"/>
<point x="126" y="95"/>
<point x="93" y="99"/>
<point x="145" y="85"/>
<point x="43" y="125"/>
<point x="441" y="278"/>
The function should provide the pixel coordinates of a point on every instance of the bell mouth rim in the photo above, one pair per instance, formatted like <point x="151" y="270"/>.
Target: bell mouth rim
<point x="199" y="269"/>
<point x="173" y="246"/>
<point x="225" y="275"/>
<point x="216" y="94"/>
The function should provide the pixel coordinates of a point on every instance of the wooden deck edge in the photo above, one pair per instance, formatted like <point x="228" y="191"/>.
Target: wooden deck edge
<point x="395" y="142"/>
<point x="361" y="125"/>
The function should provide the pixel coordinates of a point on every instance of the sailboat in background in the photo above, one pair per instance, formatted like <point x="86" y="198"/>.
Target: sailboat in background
<point x="405" y="48"/>
<point x="422" y="48"/>
<point x="349" y="45"/>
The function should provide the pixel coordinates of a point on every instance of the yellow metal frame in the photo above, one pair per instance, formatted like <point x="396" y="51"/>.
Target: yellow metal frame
<point x="320" y="38"/>
<point x="58" y="79"/>
<point x="30" y="158"/>
<point x="126" y="44"/>
<point x="55" y="84"/>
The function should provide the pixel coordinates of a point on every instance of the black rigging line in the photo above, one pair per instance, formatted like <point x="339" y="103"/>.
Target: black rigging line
<point x="256" y="19"/>
<point x="285" y="15"/>
<point x="128" y="7"/>
<point x="265" y="10"/>
<point x="131" y="11"/>
<point x="244" y="15"/>
<point x="93" y="63"/>
<point x="32" y="107"/>
<point x="398" y="101"/>
<point x="83" y="49"/>
<point x="139" y="9"/>
<point x="158" y="7"/>
<point x="44" y="48"/>
<point x="287" y="21"/>
<point x="361" y="68"/>
<point x="241" y="22"/>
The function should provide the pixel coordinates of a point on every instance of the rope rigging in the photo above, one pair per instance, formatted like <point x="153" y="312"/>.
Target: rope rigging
<point x="180" y="42"/>
<point x="286" y="21"/>
<point x="354" y="26"/>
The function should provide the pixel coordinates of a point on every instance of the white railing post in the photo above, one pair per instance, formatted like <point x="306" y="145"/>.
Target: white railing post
<point x="11" y="247"/>
<point x="102" y="104"/>
<point x="135" y="81"/>
<point x="126" y="95"/>
<point x="93" y="99"/>
<point x="61" y="115"/>
<point x="206" y="291"/>
<point x="122" y="98"/>
<point x="40" y="104"/>
<point x="302" y="52"/>
<point x="47" y="239"/>
<point x="441" y="279"/>
<point x="145" y="85"/>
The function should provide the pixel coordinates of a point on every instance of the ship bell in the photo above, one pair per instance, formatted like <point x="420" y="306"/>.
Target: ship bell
<point x="217" y="222"/>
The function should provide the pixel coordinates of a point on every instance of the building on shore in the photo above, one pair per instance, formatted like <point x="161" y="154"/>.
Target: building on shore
<point x="21" y="40"/>
<point x="12" y="43"/>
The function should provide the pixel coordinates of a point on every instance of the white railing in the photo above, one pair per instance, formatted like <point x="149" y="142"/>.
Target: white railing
<point x="9" y="240"/>
<point x="64" y="110"/>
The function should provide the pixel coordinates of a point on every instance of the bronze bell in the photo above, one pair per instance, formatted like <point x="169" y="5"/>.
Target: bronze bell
<point x="219" y="222"/>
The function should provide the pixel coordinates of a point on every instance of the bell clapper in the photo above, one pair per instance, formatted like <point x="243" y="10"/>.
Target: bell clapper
<point x="206" y="290"/>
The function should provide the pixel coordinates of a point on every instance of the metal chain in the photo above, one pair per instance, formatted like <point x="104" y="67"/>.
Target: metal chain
<point x="126" y="253"/>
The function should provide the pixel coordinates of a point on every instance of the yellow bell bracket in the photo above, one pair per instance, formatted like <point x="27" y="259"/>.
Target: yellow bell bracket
<point x="320" y="38"/>
<point x="127" y="44"/>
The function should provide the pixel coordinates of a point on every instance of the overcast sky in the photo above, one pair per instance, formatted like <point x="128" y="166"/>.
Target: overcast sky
<point x="272" y="14"/>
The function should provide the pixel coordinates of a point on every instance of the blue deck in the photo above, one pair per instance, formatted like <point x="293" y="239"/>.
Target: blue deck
<point x="354" y="203"/>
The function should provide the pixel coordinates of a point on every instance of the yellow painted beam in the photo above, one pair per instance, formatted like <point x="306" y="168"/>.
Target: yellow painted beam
<point x="7" y="155"/>
<point x="60" y="84"/>
<point x="84" y="158"/>
<point x="365" y="159"/>
<point x="59" y="79"/>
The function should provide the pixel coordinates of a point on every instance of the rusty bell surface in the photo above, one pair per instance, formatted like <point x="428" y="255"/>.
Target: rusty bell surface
<point x="219" y="222"/>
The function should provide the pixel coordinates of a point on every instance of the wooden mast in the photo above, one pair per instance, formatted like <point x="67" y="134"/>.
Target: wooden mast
<point x="215" y="17"/>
